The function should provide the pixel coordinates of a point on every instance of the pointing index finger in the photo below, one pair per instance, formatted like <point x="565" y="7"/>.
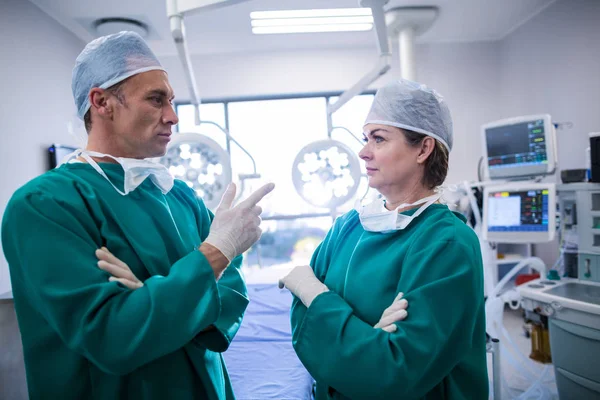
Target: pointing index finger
<point x="257" y="196"/>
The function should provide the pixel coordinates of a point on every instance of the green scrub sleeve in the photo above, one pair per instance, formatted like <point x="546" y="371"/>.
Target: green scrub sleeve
<point x="234" y="300"/>
<point x="358" y="361"/>
<point x="116" y="328"/>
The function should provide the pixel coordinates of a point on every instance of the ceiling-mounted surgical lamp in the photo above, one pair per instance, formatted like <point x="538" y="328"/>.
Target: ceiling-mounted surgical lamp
<point x="204" y="165"/>
<point x="200" y="162"/>
<point x="406" y="22"/>
<point x="211" y="177"/>
<point x="326" y="173"/>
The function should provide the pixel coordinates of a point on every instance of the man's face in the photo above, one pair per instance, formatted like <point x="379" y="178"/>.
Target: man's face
<point x="141" y="123"/>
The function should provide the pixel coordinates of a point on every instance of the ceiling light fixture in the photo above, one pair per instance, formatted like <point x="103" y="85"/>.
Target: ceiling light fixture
<point x="108" y="26"/>
<point x="312" y="21"/>
<point x="317" y="20"/>
<point x="324" y="12"/>
<point x="311" y="29"/>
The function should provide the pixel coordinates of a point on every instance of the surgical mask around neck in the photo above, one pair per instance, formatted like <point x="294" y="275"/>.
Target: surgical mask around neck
<point x="135" y="170"/>
<point x="374" y="217"/>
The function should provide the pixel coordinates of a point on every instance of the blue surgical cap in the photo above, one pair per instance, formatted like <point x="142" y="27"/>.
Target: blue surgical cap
<point x="413" y="106"/>
<point x="108" y="60"/>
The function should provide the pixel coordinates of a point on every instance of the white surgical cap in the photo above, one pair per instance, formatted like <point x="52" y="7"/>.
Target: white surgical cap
<point x="108" y="60"/>
<point x="412" y="106"/>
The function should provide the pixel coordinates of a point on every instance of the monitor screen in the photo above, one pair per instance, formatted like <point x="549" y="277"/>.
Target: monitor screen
<point x="518" y="147"/>
<point x="520" y="213"/>
<point x="56" y="153"/>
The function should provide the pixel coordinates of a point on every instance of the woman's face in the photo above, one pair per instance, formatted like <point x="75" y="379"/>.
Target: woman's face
<point x="392" y="164"/>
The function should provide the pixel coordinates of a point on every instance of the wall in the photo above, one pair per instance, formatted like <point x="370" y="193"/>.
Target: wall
<point x="552" y="65"/>
<point x="467" y="76"/>
<point x="35" y="75"/>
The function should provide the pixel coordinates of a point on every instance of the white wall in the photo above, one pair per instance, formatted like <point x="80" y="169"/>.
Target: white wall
<point x="238" y="75"/>
<point x="35" y="76"/>
<point x="465" y="74"/>
<point x="552" y="65"/>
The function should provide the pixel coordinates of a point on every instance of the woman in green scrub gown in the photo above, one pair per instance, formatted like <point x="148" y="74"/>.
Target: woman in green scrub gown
<point x="405" y="241"/>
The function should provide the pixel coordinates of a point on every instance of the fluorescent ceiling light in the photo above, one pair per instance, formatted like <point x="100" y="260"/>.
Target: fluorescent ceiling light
<point x="261" y="30"/>
<point x="326" y="12"/>
<point x="312" y="21"/>
<point x="305" y="21"/>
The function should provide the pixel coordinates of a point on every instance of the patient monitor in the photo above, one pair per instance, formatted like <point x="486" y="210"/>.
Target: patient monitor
<point x="519" y="212"/>
<point x="519" y="147"/>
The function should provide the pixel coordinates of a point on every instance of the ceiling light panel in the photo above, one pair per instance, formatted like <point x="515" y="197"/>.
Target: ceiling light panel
<point x="312" y="28"/>
<point x="325" y="12"/>
<point x="310" y="21"/>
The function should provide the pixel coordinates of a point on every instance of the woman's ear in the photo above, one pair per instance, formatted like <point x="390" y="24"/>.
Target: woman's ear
<point x="427" y="146"/>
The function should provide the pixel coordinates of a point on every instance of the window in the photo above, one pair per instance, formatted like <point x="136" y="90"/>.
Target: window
<point x="274" y="131"/>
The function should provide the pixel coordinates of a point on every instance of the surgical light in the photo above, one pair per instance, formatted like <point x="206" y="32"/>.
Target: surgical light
<point x="201" y="163"/>
<point x="326" y="173"/>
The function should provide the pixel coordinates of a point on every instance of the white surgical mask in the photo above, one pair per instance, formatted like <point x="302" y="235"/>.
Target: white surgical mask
<point x="136" y="171"/>
<point x="374" y="217"/>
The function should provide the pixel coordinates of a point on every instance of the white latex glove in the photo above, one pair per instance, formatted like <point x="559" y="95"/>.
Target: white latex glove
<point x="235" y="229"/>
<point x="118" y="269"/>
<point x="303" y="283"/>
<point x="394" y="313"/>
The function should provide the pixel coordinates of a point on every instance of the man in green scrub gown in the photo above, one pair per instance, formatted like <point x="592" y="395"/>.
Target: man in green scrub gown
<point x="85" y="336"/>
<point x="406" y="242"/>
